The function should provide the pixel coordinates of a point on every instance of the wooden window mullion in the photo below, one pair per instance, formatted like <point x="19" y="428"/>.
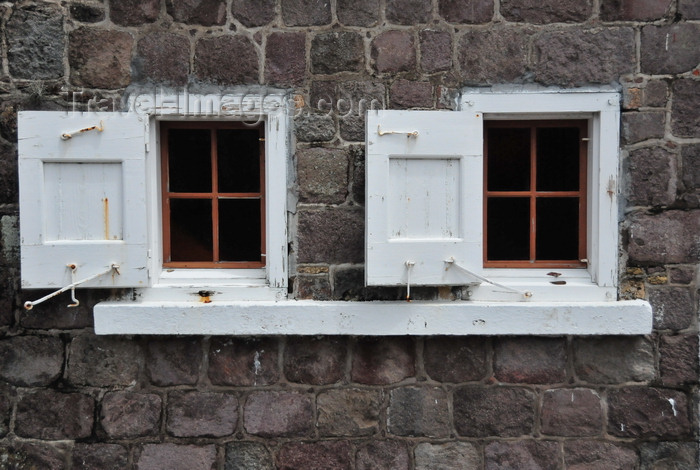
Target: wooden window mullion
<point x="215" y="195"/>
<point x="533" y="193"/>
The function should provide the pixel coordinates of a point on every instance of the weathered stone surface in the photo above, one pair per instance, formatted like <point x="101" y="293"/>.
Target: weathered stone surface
<point x="571" y="412"/>
<point x="484" y="411"/>
<point x="322" y="175"/>
<point x="448" y="456"/>
<point x="383" y="361"/>
<point x="646" y="412"/>
<point x="456" y="359"/>
<point x="35" y="42"/>
<point x="670" y="49"/>
<point x="31" y="360"/>
<point x="522" y="454"/>
<point x="551" y="11"/>
<point x="5" y="411"/>
<point x="133" y="12"/>
<point x="655" y="93"/>
<point x="410" y="94"/>
<point x="25" y="455"/>
<point x="61" y="317"/>
<point x="594" y="455"/>
<point x="285" y="59"/>
<point x="316" y="361"/>
<point x="163" y="57"/>
<point x="644" y="125"/>
<point x="306" y="12"/>
<point x="678" y="359"/>
<point x="690" y="155"/>
<point x="331" y="236"/>
<point x="614" y="359"/>
<point x="316" y="456"/>
<point x="358" y="12"/>
<point x="393" y="51"/>
<point x="8" y="172"/>
<point x="103" y="361"/>
<point x="579" y="56"/>
<point x="352" y="129"/>
<point x="530" y="360"/>
<point x="314" y="127"/>
<point x="194" y="414"/>
<point x="125" y="415"/>
<point x="689" y="9"/>
<point x="634" y="10"/>
<point x="278" y="414"/>
<point x="668" y="455"/>
<point x="243" y="361"/>
<point x="436" y="51"/>
<point x="466" y="11"/>
<point x="248" y="456"/>
<point x="651" y="177"/>
<point x="47" y="414"/>
<point x="203" y="12"/>
<point x="685" y="111"/>
<point x="408" y="12"/>
<point x="682" y="274"/>
<point x="418" y="411"/>
<point x="100" y="457"/>
<point x="494" y="55"/>
<point x="173" y="361"/>
<point x="668" y="237"/>
<point x="348" y="412"/>
<point x="312" y="286"/>
<point x="176" y="457"/>
<point x="252" y="13"/>
<point x="87" y="13"/>
<point x="100" y="58"/>
<point x="357" y="185"/>
<point x="382" y="455"/>
<point x="673" y="307"/>
<point x="227" y="60"/>
<point x="334" y="52"/>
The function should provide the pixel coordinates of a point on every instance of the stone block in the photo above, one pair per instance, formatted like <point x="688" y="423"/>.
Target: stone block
<point x="383" y="455"/>
<point x="306" y="12"/>
<point x="678" y="359"/>
<point x="322" y="174"/>
<point x="322" y="455"/>
<point x="685" y="110"/>
<point x="643" y="125"/>
<point x="358" y="12"/>
<point x="466" y="11"/>
<point x="682" y="274"/>
<point x="595" y="455"/>
<point x="447" y="456"/>
<point x="488" y="411"/>
<point x="100" y="58"/>
<point x="542" y="455"/>
<point x="31" y="360"/>
<point x="100" y="457"/>
<point x="612" y="360"/>
<point x="176" y="457"/>
<point x="279" y="414"/>
<point x="337" y="51"/>
<point x="8" y="173"/>
<point x="201" y="414"/>
<point x="634" y="10"/>
<point x="126" y="415"/>
<point x="315" y="287"/>
<point x="673" y="307"/>
<point x="285" y="59"/>
<point x="243" y="361"/>
<point x="408" y="12"/>
<point x="689" y="9"/>
<point x="5" y="411"/>
<point x="357" y="170"/>
<point x="104" y="361"/>
<point x="352" y="129"/>
<point x="315" y="361"/>
<point x="666" y="238"/>
<point x="495" y="55"/>
<point x="571" y="412"/>
<point x="331" y="235"/>
<point x="30" y="456"/>
<point x="600" y="56"/>
<point x="643" y="412"/>
<point x="50" y="415"/>
<point x="248" y="456"/>
<point x="133" y="12"/>
<point x="35" y="41"/>
<point x="202" y="12"/>
<point x="314" y="127"/>
<point x="418" y="412"/>
<point x="393" y="51"/>
<point x="410" y="94"/>
<point x="226" y="60"/>
<point x="690" y="155"/>
<point x="435" y="50"/>
<point x="668" y="455"/>
<point x="252" y="13"/>
<point x="651" y="176"/>
<point x="61" y="316"/>
<point x="656" y="93"/>
<point x="456" y="359"/>
<point x="667" y="49"/>
<point x="173" y="361"/>
<point x="86" y="13"/>
<point x="163" y="58"/>
<point x="383" y="361"/>
<point x="530" y="360"/>
<point x="550" y="11"/>
<point x="348" y="412"/>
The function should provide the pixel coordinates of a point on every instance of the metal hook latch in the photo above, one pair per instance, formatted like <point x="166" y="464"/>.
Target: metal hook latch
<point x="73" y="267"/>
<point x="409" y="134"/>
<point x="69" y="135"/>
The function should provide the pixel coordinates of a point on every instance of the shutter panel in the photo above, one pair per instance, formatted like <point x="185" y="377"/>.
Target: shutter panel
<point x="82" y="199"/>
<point x="424" y="197"/>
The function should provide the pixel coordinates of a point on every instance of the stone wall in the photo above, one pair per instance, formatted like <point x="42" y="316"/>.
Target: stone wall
<point x="72" y="400"/>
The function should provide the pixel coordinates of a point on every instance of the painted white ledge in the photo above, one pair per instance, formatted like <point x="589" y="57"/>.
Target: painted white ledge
<point x="307" y="317"/>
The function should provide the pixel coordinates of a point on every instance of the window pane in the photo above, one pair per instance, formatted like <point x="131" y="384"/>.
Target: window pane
<point x="190" y="230"/>
<point x="239" y="230"/>
<point x="508" y="159"/>
<point x="508" y="225"/>
<point x="557" y="229"/>
<point x="558" y="159"/>
<point x="189" y="160"/>
<point x="238" y="160"/>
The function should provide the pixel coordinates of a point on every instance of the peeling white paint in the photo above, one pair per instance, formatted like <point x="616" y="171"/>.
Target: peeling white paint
<point x="622" y="427"/>
<point x="257" y="365"/>
<point x="673" y="406"/>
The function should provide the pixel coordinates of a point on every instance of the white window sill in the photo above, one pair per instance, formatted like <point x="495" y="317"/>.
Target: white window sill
<point x="306" y="317"/>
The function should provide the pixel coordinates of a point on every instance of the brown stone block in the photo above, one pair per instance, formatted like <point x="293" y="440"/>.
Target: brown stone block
<point x="685" y="111"/>
<point x="436" y="51"/>
<point x="337" y="51"/>
<point x="447" y="456"/>
<point x="331" y="236"/>
<point x="31" y="360"/>
<point x="173" y="361"/>
<point x="493" y="411"/>
<point x="315" y="361"/>
<point x="643" y="125"/>
<point x="103" y="361"/>
<point x="669" y="455"/>
<point x="358" y="12"/>
<point x="100" y="58"/>
<point x="611" y="360"/>
<point x="323" y="175"/>
<point x="648" y="412"/>
<point x="466" y="11"/>
<point x="408" y="12"/>
<point x="87" y="13"/>
<point x="306" y="12"/>
<point x="125" y="415"/>
<point x="199" y="414"/>
<point x="243" y="361"/>
<point x="550" y="11"/>
<point x="47" y="414"/>
<point x="530" y="360"/>
<point x="202" y="12"/>
<point x="571" y="412"/>
<point x="542" y="455"/>
<point x="634" y="10"/>
<point x="100" y="457"/>
<point x="252" y="13"/>
<point x="682" y="274"/>
<point x="278" y="414"/>
<point x="285" y="58"/>
<point x="678" y="359"/>
<point x="163" y="58"/>
<point x="176" y="457"/>
<point x="26" y="455"/>
<point x="393" y="51"/>
<point x="690" y="9"/>
<point x="315" y="287"/>
<point x="670" y="49"/>
<point x="418" y="412"/>
<point x="673" y="307"/>
<point x="348" y="412"/>
<point x="325" y="455"/>
<point x="666" y="238"/>
<point x="133" y="12"/>
<point x="690" y="155"/>
<point x="595" y="455"/>
<point x="651" y="176"/>
<point x="456" y="359"/>
<point x="409" y="94"/>
<point x="382" y="455"/>
<point x="494" y="55"/>
<point x="227" y="60"/>
<point x="656" y="93"/>
<point x="383" y="361"/>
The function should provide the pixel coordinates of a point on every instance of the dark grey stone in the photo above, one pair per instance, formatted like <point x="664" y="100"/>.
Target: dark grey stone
<point x="651" y="177"/>
<point x="126" y="415"/>
<point x="35" y="42"/>
<point x="358" y="12"/>
<point x="248" y="456"/>
<point x="494" y="55"/>
<point x="314" y="127"/>
<point x="548" y="11"/>
<point x="334" y="52"/>
<point x="466" y="11"/>
<point x="252" y="13"/>
<point x="685" y="111"/>
<point x="408" y="12"/>
<point x="31" y="360"/>
<point x="306" y="12"/>
<point x="418" y="412"/>
<point x="331" y="236"/>
<point x="670" y="49"/>
<point x="202" y="12"/>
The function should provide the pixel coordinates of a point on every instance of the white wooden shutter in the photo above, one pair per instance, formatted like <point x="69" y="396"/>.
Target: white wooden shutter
<point x="424" y="197"/>
<point x="82" y="199"/>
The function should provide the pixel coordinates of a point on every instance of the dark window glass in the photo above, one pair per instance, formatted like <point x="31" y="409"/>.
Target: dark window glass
<point x="189" y="160"/>
<point x="191" y="230"/>
<point x="558" y="159"/>
<point x="557" y="228"/>
<point x="238" y="160"/>
<point x="508" y="159"/>
<point x="239" y="223"/>
<point x="508" y="228"/>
